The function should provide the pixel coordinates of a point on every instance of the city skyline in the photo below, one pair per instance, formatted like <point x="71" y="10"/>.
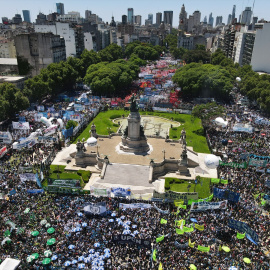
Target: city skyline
<point x="118" y="8"/>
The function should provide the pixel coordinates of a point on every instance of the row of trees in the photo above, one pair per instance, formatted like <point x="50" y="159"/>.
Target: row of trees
<point x="106" y="71"/>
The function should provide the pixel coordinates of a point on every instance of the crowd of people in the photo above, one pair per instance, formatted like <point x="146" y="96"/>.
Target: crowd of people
<point x="36" y="226"/>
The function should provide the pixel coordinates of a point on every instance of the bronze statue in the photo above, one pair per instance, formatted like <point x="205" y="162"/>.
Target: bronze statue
<point x="133" y="104"/>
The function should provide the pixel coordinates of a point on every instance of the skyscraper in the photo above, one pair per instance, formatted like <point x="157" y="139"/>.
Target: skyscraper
<point x="60" y="8"/>
<point x="205" y="20"/>
<point x="130" y="16"/>
<point x="197" y="17"/>
<point x="88" y="14"/>
<point x="211" y="19"/>
<point x="150" y="18"/>
<point x="229" y="19"/>
<point x="168" y="17"/>
<point x="218" y="20"/>
<point x="233" y="12"/>
<point x="158" y="18"/>
<point x="26" y="16"/>
<point x="246" y="16"/>
<point x="138" y="19"/>
<point x="124" y="19"/>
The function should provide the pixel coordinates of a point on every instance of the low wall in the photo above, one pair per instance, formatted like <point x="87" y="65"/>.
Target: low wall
<point x="162" y="168"/>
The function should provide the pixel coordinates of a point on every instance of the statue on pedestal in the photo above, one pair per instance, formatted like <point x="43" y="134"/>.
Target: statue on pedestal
<point x="133" y="104"/>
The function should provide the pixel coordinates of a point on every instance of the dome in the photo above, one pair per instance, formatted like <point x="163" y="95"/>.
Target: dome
<point x="211" y="161"/>
<point x="92" y="141"/>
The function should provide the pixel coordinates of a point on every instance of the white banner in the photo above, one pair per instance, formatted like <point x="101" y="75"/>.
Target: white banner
<point x="204" y="206"/>
<point x="50" y="130"/>
<point x="135" y="205"/>
<point x="27" y="177"/>
<point x="5" y="137"/>
<point x="20" y="125"/>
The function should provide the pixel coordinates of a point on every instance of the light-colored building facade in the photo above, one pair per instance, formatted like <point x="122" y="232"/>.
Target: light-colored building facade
<point x="260" y="60"/>
<point x="7" y="48"/>
<point x="40" y="49"/>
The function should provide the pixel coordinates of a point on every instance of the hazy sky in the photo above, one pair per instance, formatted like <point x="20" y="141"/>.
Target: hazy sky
<point x="106" y="8"/>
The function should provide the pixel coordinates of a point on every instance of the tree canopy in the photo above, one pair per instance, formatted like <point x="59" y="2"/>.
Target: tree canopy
<point x="12" y="100"/>
<point x="198" y="80"/>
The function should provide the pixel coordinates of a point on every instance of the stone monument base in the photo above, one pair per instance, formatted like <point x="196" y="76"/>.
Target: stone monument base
<point x="134" y="146"/>
<point x="86" y="160"/>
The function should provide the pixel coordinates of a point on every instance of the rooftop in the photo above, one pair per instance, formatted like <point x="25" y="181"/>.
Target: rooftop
<point x="8" y="61"/>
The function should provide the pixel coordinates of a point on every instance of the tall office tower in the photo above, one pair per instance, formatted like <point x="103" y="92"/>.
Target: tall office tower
<point x="233" y="12"/>
<point x="5" y="20"/>
<point x="197" y="17"/>
<point x="229" y="21"/>
<point x="211" y="19"/>
<point x="60" y="8"/>
<point x="88" y="14"/>
<point x="150" y="18"/>
<point x="158" y="18"/>
<point x="17" y="19"/>
<point x="124" y="19"/>
<point x="183" y="19"/>
<point x="218" y="20"/>
<point x="130" y="16"/>
<point x="168" y="17"/>
<point x="246" y="16"/>
<point x="205" y="20"/>
<point x="138" y="19"/>
<point x="26" y="16"/>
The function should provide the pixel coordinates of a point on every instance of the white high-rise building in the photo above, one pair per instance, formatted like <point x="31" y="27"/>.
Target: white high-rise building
<point x="260" y="60"/>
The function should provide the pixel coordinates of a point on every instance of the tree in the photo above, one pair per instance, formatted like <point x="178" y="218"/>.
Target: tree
<point x="12" y="100"/>
<point x="207" y="80"/>
<point x="23" y="66"/>
<point x="196" y="56"/>
<point x="71" y="123"/>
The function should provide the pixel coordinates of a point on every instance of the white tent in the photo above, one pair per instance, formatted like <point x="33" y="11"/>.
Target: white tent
<point x="9" y="264"/>
<point x="211" y="161"/>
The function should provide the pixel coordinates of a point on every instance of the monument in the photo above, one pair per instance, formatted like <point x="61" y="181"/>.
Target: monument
<point x="133" y="139"/>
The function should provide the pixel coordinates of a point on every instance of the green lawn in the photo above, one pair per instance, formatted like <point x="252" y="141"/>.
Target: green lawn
<point x="181" y="186"/>
<point x="58" y="172"/>
<point x="193" y="127"/>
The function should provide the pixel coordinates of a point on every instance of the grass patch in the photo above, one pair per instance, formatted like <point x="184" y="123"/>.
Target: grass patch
<point x="64" y="175"/>
<point x="193" y="127"/>
<point x="179" y="185"/>
<point x="102" y="122"/>
<point x="57" y="168"/>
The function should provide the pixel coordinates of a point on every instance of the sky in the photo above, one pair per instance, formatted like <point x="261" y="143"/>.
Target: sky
<point x="106" y="8"/>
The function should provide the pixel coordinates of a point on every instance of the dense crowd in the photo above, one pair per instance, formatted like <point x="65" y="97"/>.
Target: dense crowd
<point x="87" y="242"/>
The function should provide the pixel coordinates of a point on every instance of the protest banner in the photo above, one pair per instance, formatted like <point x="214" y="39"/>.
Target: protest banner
<point x="244" y="228"/>
<point x="204" y="206"/>
<point x="176" y="195"/>
<point x="3" y="151"/>
<point x="267" y="158"/>
<point x="226" y="194"/>
<point x="257" y="162"/>
<point x="199" y="227"/>
<point x="233" y="164"/>
<point x="100" y="191"/>
<point x="203" y="249"/>
<point x="135" y="206"/>
<point x="130" y="240"/>
<point x="121" y="192"/>
<point x="20" y="125"/>
<point x="5" y="137"/>
<point x="95" y="209"/>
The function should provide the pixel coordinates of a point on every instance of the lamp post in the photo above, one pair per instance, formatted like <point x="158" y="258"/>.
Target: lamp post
<point x="164" y="153"/>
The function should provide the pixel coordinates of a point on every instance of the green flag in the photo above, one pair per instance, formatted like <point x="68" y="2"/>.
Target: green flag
<point x="210" y="197"/>
<point x="215" y="180"/>
<point x="225" y="182"/>
<point x="154" y="256"/>
<point x="159" y="239"/>
<point x="187" y="229"/>
<point x="179" y="231"/>
<point x="163" y="221"/>
<point x="240" y="235"/>
<point x="182" y="206"/>
<point x="204" y="249"/>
